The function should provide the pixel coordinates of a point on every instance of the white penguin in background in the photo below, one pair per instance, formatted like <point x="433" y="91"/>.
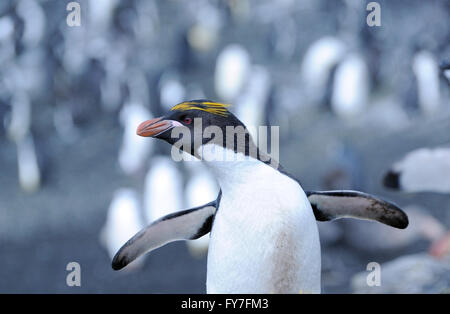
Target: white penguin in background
<point x="7" y="44"/>
<point x="233" y="67"/>
<point x="170" y="89"/>
<point x="201" y="187"/>
<point x="421" y="170"/>
<point x="204" y="35"/>
<point x="20" y="121"/>
<point x="19" y="132"/>
<point x="251" y="104"/>
<point x="319" y="60"/>
<point x="163" y="191"/>
<point x="29" y="172"/>
<point x="350" y="87"/>
<point x="101" y="14"/>
<point x="34" y="22"/>
<point x="123" y="220"/>
<point x="134" y="151"/>
<point x="426" y="70"/>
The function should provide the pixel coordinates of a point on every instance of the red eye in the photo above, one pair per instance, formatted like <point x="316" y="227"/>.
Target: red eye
<point x="187" y="120"/>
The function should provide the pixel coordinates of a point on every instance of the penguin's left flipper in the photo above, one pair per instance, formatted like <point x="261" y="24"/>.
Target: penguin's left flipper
<point x="330" y="205"/>
<point x="188" y="224"/>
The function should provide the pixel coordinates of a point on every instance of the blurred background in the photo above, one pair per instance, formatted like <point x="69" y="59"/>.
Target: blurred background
<point x="351" y="100"/>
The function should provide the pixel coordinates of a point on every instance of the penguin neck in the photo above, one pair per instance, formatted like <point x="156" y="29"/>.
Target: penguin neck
<point x="232" y="169"/>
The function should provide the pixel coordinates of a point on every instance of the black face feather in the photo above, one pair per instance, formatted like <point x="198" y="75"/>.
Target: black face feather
<point x="192" y="124"/>
<point x="191" y="119"/>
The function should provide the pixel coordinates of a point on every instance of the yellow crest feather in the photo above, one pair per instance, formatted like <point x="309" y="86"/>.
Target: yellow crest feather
<point x="208" y="106"/>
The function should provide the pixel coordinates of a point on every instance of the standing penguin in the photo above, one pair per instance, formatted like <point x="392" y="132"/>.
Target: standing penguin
<point x="264" y="237"/>
<point x="421" y="170"/>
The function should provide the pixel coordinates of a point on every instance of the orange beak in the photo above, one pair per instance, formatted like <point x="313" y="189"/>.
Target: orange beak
<point x="154" y="127"/>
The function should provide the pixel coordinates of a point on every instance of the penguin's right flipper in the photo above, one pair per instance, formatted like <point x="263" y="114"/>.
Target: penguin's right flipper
<point x="188" y="224"/>
<point x="330" y="205"/>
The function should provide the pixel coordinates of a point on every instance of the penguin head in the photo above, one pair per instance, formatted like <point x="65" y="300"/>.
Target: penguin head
<point x="192" y="124"/>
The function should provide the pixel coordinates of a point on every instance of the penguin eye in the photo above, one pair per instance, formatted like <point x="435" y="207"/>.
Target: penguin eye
<point x="187" y="120"/>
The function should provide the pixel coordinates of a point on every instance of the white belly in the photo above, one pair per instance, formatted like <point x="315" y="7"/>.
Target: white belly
<point x="264" y="240"/>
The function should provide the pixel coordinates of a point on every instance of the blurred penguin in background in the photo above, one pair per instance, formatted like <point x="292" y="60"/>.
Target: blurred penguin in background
<point x="233" y="68"/>
<point x="101" y="14"/>
<point x="163" y="191"/>
<point x="33" y="16"/>
<point x="134" y="151"/>
<point x="318" y="63"/>
<point x="29" y="169"/>
<point x="170" y="89"/>
<point x="29" y="172"/>
<point x="123" y="220"/>
<point x="251" y="104"/>
<point x="421" y="170"/>
<point x="22" y="81"/>
<point x="204" y="34"/>
<point x="426" y="71"/>
<point x="350" y="87"/>
<point x="7" y="47"/>
<point x="237" y="80"/>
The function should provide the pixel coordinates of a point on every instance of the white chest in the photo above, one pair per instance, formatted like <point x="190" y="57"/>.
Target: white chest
<point x="264" y="237"/>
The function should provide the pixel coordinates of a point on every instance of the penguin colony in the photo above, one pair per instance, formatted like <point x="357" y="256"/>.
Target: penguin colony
<point x="263" y="234"/>
<point x="334" y="61"/>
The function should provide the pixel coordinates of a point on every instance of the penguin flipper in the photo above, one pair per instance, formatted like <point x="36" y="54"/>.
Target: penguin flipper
<point x="331" y="205"/>
<point x="187" y="224"/>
